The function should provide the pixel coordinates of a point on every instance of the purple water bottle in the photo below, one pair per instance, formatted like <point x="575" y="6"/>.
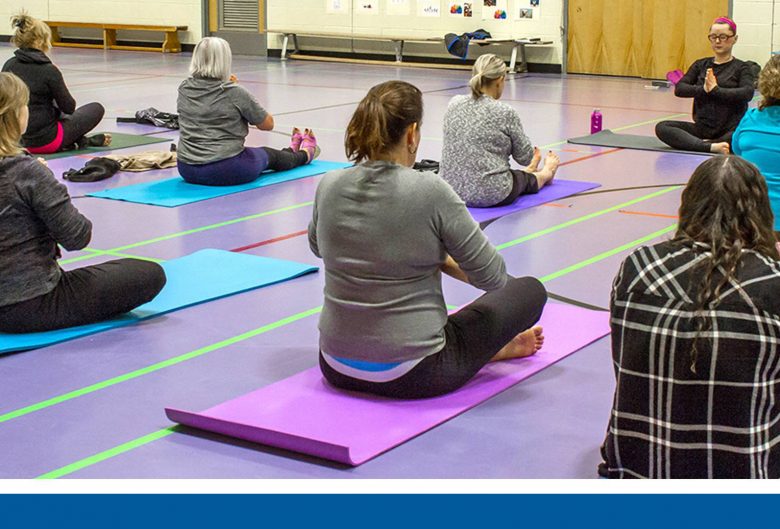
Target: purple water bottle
<point x="595" y="121"/>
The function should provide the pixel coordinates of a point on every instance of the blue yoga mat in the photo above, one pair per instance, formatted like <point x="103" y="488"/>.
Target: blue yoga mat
<point x="556" y="190"/>
<point x="196" y="278"/>
<point x="174" y="192"/>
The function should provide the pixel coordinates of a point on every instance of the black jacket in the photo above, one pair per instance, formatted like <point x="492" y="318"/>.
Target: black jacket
<point x="49" y="97"/>
<point x="722" y="109"/>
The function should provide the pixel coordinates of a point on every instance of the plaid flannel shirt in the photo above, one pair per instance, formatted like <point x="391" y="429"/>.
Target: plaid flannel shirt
<point x="667" y="421"/>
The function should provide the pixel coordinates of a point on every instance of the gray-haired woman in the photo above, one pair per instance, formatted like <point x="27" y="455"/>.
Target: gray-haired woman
<point x="480" y="134"/>
<point x="214" y="118"/>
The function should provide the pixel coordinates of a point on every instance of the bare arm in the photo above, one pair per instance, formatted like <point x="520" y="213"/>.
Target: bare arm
<point x="451" y="268"/>
<point x="267" y="123"/>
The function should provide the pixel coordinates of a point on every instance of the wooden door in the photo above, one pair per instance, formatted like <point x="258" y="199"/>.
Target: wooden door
<point x="638" y="38"/>
<point x="241" y="23"/>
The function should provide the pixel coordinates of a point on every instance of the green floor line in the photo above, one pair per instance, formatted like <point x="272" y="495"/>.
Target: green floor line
<point x="156" y="367"/>
<point x="97" y="252"/>
<point x="146" y="439"/>
<point x="190" y="232"/>
<point x="102" y="456"/>
<point x="589" y="216"/>
<point x="129" y="376"/>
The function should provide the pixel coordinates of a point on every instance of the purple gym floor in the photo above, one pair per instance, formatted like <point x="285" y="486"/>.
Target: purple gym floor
<point x="549" y="426"/>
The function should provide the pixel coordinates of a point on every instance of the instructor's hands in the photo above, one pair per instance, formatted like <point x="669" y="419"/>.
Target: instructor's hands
<point x="710" y="82"/>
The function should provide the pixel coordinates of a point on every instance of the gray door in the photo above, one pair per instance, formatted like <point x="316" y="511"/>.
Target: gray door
<point x="241" y="23"/>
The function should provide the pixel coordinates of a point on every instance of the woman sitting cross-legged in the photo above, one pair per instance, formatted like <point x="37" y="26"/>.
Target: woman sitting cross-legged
<point x="386" y="233"/>
<point x="696" y="339"/>
<point x="56" y="124"/>
<point x="721" y="88"/>
<point x="481" y="134"/>
<point x="36" y="215"/>
<point x="214" y="117"/>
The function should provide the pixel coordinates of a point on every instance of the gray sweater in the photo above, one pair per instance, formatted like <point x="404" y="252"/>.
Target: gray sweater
<point x="383" y="232"/>
<point x="479" y="137"/>
<point x="214" y="119"/>
<point x="35" y="215"/>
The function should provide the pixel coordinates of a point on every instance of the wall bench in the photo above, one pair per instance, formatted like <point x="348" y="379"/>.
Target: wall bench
<point x="170" y="45"/>
<point x="515" y="65"/>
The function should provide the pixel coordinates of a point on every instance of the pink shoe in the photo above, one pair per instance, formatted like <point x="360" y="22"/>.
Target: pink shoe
<point x="296" y="139"/>
<point x="309" y="144"/>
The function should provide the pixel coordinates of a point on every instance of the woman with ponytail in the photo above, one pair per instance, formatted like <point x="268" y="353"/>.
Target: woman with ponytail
<point x="36" y="218"/>
<point x="56" y="124"/>
<point x="386" y="233"/>
<point x="480" y="135"/>
<point x="696" y="339"/>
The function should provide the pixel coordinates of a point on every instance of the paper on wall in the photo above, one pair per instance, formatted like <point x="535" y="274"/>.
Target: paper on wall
<point x="429" y="8"/>
<point x="398" y="7"/>
<point x="337" y="7"/>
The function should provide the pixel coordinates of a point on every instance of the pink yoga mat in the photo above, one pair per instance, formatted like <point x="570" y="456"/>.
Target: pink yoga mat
<point x="304" y="414"/>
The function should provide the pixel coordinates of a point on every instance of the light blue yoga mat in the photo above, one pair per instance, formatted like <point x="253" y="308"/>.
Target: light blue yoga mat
<point x="174" y="192"/>
<point x="196" y="278"/>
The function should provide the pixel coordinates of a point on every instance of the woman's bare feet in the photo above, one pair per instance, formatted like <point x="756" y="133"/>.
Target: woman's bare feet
<point x="547" y="173"/>
<point x="720" y="148"/>
<point x="534" y="165"/>
<point x="524" y="344"/>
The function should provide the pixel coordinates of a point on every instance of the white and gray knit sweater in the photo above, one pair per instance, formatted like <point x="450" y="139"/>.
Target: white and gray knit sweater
<point x="479" y="137"/>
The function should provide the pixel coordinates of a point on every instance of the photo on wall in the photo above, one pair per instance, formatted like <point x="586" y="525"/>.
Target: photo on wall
<point x="495" y="9"/>
<point x="398" y="7"/>
<point x="460" y="9"/>
<point x="527" y="9"/>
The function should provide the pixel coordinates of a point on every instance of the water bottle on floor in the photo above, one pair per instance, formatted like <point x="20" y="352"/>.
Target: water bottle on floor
<point x="595" y="121"/>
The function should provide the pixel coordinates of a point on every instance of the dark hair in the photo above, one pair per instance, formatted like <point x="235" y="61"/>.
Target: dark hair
<point x="726" y="207"/>
<point x="381" y="118"/>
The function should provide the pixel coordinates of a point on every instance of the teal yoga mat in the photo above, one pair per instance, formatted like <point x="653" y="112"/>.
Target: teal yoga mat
<point x="175" y="192"/>
<point x="196" y="278"/>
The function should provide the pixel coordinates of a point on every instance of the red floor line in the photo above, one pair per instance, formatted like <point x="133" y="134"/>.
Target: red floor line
<point x="646" y="214"/>
<point x="270" y="241"/>
<point x="588" y="157"/>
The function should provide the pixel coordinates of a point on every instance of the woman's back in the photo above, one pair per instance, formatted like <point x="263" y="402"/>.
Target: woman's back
<point x="757" y="139"/>
<point x="721" y="420"/>
<point x="383" y="232"/>
<point x="479" y="137"/>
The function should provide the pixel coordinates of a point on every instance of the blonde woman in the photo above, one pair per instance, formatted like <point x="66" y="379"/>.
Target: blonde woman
<point x="757" y="138"/>
<point x="215" y="113"/>
<point x="56" y="124"/>
<point x="36" y="217"/>
<point x="480" y="135"/>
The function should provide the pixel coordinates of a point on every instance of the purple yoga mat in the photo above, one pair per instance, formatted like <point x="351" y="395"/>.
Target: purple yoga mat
<point x="304" y="414"/>
<point x="557" y="190"/>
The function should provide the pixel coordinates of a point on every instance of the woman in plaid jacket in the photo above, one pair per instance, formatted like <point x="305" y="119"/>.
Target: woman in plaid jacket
<point x="696" y="339"/>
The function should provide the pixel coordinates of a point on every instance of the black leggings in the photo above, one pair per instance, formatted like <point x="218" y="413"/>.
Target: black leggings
<point x="687" y="136"/>
<point x="523" y="183"/>
<point x="473" y="336"/>
<point x="86" y="295"/>
<point x="78" y="124"/>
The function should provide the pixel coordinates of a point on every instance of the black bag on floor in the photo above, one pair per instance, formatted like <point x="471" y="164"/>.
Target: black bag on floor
<point x="93" y="171"/>
<point x="154" y="117"/>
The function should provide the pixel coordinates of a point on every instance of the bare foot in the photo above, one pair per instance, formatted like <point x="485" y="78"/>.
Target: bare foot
<point x="546" y="175"/>
<point x="534" y="165"/>
<point x="720" y="148"/>
<point x="524" y="344"/>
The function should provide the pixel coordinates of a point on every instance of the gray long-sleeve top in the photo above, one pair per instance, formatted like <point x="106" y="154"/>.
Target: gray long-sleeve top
<point x="383" y="232"/>
<point x="35" y="215"/>
<point x="479" y="137"/>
